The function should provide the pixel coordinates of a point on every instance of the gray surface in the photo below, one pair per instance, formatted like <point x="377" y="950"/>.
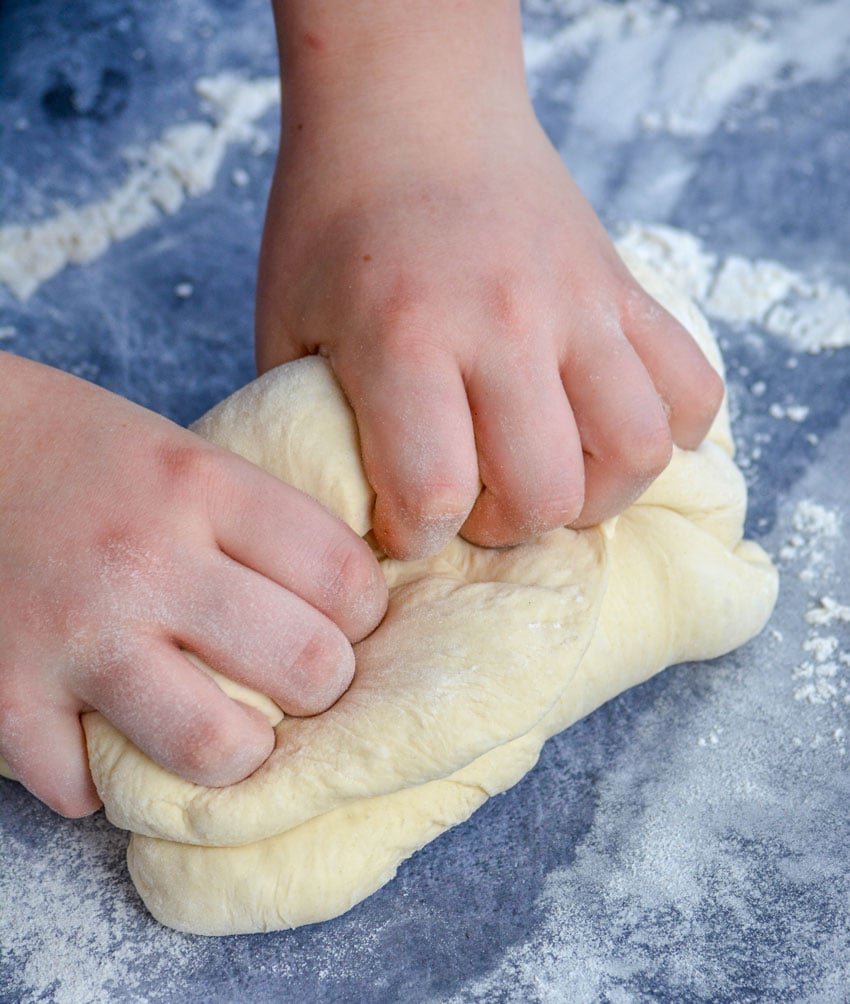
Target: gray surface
<point x="689" y="840"/>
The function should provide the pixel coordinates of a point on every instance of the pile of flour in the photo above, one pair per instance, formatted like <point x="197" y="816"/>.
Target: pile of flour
<point x="810" y="315"/>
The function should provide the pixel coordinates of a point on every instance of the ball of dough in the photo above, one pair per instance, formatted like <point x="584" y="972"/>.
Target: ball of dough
<point x="482" y="656"/>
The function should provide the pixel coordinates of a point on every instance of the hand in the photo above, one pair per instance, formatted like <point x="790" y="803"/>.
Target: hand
<point x="125" y="540"/>
<point x="507" y="374"/>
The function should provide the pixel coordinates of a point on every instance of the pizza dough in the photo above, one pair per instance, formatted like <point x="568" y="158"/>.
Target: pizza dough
<point x="482" y="656"/>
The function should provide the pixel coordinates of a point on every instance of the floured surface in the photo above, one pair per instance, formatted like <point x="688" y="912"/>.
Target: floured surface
<point x="661" y="824"/>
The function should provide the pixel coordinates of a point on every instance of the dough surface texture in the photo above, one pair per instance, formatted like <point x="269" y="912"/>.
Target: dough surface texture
<point x="482" y="656"/>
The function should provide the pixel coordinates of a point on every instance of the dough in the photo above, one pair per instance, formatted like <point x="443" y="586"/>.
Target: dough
<point x="482" y="656"/>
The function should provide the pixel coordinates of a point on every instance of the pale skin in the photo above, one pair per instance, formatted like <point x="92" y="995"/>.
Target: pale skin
<point x="125" y="540"/>
<point x="507" y="375"/>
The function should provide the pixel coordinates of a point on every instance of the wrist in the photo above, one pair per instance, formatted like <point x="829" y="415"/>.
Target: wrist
<point x="391" y="69"/>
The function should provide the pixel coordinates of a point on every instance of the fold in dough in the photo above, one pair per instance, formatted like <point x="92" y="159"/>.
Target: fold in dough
<point x="482" y="656"/>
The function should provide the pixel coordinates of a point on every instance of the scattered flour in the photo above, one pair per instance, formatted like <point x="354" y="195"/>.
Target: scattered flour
<point x="794" y="412"/>
<point x="681" y="77"/>
<point x="813" y="526"/>
<point x="184" y="162"/>
<point x="712" y="739"/>
<point x="828" y="612"/>
<point x="96" y="940"/>
<point x="812" y="316"/>
<point x="821" y="676"/>
<point x="181" y="164"/>
<point x="67" y="934"/>
<point x="648" y="69"/>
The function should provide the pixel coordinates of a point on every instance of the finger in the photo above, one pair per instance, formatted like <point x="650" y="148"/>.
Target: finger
<point x="46" y="751"/>
<point x="688" y="384"/>
<point x="529" y="454"/>
<point x="418" y="449"/>
<point x="175" y="713"/>
<point x="287" y="536"/>
<point x="250" y="629"/>
<point x="622" y="423"/>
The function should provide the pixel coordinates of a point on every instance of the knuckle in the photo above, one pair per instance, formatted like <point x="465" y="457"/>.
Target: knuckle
<point x="644" y="453"/>
<point x="71" y="805"/>
<point x="207" y="749"/>
<point x="178" y="460"/>
<point x="550" y="507"/>
<point x="553" y="511"/>
<point x="436" y="502"/>
<point x="402" y="299"/>
<point x="710" y="392"/>
<point x="404" y="317"/>
<point x="324" y="668"/>
<point x="693" y="417"/>
<point x="356" y="592"/>
<point x="418" y="524"/>
<point x="411" y="325"/>
<point x="507" y="303"/>
<point x="129" y="544"/>
<point x="185" y="466"/>
<point x="348" y="569"/>
<point x="640" y="308"/>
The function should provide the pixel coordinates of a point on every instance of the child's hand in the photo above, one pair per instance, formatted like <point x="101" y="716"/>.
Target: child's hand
<point x="507" y="374"/>
<point x="124" y="539"/>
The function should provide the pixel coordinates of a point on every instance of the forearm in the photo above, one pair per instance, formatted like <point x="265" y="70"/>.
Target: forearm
<point x="405" y="62"/>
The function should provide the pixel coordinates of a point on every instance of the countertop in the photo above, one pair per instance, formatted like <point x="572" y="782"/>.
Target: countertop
<point x="688" y="841"/>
